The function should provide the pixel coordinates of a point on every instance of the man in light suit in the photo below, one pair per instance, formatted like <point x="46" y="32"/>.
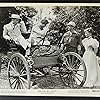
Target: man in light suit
<point x="40" y="30"/>
<point x="13" y="31"/>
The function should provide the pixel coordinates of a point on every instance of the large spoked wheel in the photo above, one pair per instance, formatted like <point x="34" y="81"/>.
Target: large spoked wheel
<point x="0" y="62"/>
<point x="73" y="71"/>
<point x="18" y="72"/>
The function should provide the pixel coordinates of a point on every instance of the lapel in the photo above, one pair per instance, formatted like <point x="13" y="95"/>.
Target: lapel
<point x="13" y="26"/>
<point x="10" y="26"/>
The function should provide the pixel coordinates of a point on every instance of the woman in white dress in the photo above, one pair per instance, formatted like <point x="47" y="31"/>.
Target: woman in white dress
<point x="91" y="46"/>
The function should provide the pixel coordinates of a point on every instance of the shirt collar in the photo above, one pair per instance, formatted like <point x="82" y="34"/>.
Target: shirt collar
<point x="89" y="37"/>
<point x="13" y="25"/>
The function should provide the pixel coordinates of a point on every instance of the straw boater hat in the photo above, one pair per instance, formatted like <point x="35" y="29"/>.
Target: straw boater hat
<point x="71" y="24"/>
<point x="15" y="16"/>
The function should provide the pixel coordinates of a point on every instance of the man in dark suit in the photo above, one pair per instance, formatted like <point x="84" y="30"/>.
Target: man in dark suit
<point x="71" y="39"/>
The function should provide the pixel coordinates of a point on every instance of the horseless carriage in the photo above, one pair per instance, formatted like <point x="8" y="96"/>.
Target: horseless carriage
<point x="69" y="68"/>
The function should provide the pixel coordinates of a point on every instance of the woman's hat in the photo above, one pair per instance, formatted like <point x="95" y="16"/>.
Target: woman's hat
<point x="88" y="29"/>
<point x="15" y="16"/>
<point x="71" y="24"/>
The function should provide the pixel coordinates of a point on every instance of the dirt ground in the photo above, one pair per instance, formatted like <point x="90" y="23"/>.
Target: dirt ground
<point x="43" y="83"/>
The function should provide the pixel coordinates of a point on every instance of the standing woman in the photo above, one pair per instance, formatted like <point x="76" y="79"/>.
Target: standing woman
<point x="91" y="46"/>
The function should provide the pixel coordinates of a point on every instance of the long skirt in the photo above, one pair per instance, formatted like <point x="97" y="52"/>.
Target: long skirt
<point x="91" y="62"/>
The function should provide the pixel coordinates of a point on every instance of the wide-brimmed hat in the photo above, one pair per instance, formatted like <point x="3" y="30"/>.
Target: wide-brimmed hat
<point x="15" y="16"/>
<point x="71" y="24"/>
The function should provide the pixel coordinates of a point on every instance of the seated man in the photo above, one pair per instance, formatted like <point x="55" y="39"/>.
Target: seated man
<point x="13" y="30"/>
<point x="39" y="31"/>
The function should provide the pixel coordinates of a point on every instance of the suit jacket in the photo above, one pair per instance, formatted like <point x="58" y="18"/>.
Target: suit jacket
<point x="11" y="31"/>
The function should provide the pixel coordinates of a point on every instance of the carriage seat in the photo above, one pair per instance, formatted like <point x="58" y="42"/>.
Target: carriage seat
<point x="12" y="45"/>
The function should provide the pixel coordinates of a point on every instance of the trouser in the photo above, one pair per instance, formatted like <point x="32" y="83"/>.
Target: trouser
<point x="13" y="45"/>
<point x="21" y="50"/>
<point x="20" y="40"/>
<point x="69" y="48"/>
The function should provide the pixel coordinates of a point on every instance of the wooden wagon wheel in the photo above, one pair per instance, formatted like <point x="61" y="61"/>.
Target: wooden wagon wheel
<point x="0" y="62"/>
<point x="73" y="72"/>
<point x="18" y="72"/>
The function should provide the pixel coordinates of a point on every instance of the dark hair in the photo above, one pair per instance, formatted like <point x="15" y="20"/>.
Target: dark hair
<point x="89" y="30"/>
<point x="44" y="21"/>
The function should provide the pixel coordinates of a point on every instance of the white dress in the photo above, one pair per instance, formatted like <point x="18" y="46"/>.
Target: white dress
<point x="91" y="62"/>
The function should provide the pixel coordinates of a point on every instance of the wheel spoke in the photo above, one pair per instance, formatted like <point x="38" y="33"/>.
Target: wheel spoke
<point x="16" y="61"/>
<point x="75" y="63"/>
<point x="23" y="75"/>
<point x="73" y="57"/>
<point x="16" y="86"/>
<point x="69" y="57"/>
<point x="77" y="77"/>
<point x="67" y="62"/>
<point x="19" y="85"/>
<point x="64" y="78"/>
<point x="21" y="64"/>
<point x="74" y="80"/>
<point x="18" y="64"/>
<point x="79" y="74"/>
<point x="23" y="80"/>
<point x="77" y="70"/>
<point x="71" y="81"/>
<point x="64" y="74"/>
<point x="16" y="83"/>
<point x="22" y="71"/>
<point x="13" y="81"/>
<point x="79" y="64"/>
<point x="12" y="68"/>
<point x="23" y="85"/>
<point x="13" y="64"/>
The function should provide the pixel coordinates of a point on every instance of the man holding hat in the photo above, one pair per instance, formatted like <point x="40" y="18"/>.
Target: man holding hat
<point x="39" y="31"/>
<point x="71" y="38"/>
<point x="13" y="30"/>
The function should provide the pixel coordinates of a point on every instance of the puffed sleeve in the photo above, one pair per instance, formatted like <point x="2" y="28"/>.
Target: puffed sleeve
<point x="83" y="42"/>
<point x="5" y="31"/>
<point x="96" y="43"/>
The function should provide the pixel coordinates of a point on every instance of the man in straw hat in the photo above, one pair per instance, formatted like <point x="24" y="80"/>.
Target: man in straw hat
<point x="13" y="30"/>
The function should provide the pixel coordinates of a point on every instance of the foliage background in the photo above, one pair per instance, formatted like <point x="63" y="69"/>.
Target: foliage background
<point x="83" y="16"/>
